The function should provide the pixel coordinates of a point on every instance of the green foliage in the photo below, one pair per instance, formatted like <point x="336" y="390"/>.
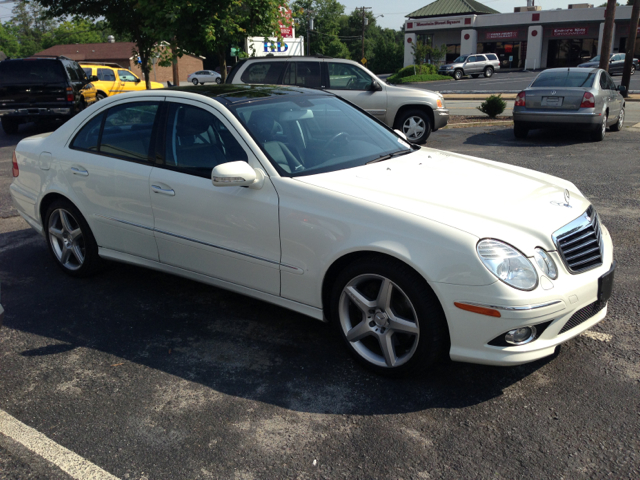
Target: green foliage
<point x="76" y="31"/>
<point x="425" y="52"/>
<point x="493" y="106"/>
<point x="423" y="78"/>
<point x="327" y="24"/>
<point x="414" y="70"/>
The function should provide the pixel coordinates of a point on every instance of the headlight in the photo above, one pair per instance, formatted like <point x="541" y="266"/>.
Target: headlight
<point x="448" y="67"/>
<point x="508" y="264"/>
<point x="546" y="263"/>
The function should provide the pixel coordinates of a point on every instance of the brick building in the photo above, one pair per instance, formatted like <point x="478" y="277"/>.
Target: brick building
<point x="122" y="53"/>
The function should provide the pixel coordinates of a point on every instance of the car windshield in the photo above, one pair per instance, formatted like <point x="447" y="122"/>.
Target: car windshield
<point x="595" y="59"/>
<point x="31" y="72"/>
<point x="305" y="135"/>
<point x="564" y="78"/>
<point x="460" y="59"/>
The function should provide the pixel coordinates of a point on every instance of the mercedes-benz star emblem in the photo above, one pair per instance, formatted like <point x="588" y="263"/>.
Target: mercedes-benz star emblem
<point x="567" y="197"/>
<point x="553" y="92"/>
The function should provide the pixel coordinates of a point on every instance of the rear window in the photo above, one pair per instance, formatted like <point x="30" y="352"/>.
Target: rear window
<point x="492" y="56"/>
<point x="263" y="72"/>
<point x="564" y="78"/>
<point x="31" y="72"/>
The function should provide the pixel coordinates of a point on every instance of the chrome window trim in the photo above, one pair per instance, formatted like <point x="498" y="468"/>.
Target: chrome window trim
<point x="297" y="270"/>
<point x="521" y="308"/>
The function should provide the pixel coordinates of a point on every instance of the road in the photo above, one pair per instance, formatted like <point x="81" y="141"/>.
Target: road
<point x="148" y="376"/>
<point x="501" y="82"/>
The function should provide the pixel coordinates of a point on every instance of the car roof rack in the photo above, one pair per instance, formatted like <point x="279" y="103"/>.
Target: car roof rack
<point x="52" y="57"/>
<point x="106" y="64"/>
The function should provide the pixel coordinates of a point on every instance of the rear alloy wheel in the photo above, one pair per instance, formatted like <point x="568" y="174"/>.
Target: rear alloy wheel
<point x="415" y="124"/>
<point x="10" y="125"/>
<point x="633" y="70"/>
<point x="218" y="80"/>
<point x="598" y="134"/>
<point x="616" y="127"/>
<point x="388" y="316"/>
<point x="194" y="81"/>
<point x="488" y="72"/>
<point x="70" y="240"/>
<point x="519" y="131"/>
<point x="100" y="96"/>
<point x="457" y="75"/>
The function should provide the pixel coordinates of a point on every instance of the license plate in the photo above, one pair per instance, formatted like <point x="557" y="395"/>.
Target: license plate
<point x="552" y="101"/>
<point x="605" y="285"/>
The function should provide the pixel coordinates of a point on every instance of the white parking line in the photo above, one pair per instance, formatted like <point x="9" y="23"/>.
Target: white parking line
<point x="603" y="337"/>
<point x="65" y="459"/>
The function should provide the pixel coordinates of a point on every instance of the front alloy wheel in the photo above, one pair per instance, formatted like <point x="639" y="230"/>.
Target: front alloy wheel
<point x="457" y="75"/>
<point x="415" y="124"/>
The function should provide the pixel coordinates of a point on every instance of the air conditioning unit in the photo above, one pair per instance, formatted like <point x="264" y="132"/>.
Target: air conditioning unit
<point x="527" y="9"/>
<point x="580" y="5"/>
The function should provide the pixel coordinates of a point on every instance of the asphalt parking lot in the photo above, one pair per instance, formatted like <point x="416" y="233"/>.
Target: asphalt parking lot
<point x="149" y="376"/>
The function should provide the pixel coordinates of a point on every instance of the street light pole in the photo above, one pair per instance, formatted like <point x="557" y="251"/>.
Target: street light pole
<point x="364" y="24"/>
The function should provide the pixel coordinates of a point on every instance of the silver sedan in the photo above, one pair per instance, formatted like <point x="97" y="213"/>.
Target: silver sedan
<point x="577" y="98"/>
<point x="204" y="76"/>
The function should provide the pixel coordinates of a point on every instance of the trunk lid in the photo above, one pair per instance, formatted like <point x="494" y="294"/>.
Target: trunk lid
<point x="555" y="98"/>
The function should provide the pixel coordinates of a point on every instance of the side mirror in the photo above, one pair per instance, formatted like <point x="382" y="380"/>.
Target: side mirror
<point x="137" y="80"/>
<point x="375" y="87"/>
<point x="94" y="78"/>
<point x="237" y="174"/>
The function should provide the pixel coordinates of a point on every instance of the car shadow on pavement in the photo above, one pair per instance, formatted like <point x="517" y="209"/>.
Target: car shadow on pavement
<point x="538" y="138"/>
<point x="223" y="341"/>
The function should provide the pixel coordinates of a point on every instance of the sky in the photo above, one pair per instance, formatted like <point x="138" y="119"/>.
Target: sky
<point x="394" y="11"/>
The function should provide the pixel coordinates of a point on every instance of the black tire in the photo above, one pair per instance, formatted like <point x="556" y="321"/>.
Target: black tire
<point x="475" y="75"/>
<point x="488" y="72"/>
<point x="83" y="259"/>
<point x="194" y="81"/>
<point x="100" y="96"/>
<point x="616" y="127"/>
<point x="404" y="123"/>
<point x="410" y="298"/>
<point x="598" y="134"/>
<point x="457" y="75"/>
<point x="519" y="131"/>
<point x="219" y="80"/>
<point x="633" y="70"/>
<point x="10" y="125"/>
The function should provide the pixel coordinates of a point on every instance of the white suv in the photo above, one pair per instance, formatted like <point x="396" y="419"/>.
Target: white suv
<point x="415" y="112"/>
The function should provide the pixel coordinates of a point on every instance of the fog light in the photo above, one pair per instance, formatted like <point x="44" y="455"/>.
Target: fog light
<point x="520" y="336"/>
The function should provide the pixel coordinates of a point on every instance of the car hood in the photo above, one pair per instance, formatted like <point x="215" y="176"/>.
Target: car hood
<point x="483" y="198"/>
<point x="412" y="94"/>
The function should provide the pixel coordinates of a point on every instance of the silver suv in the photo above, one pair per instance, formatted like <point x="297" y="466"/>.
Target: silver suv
<point x="414" y="112"/>
<point x="474" y="65"/>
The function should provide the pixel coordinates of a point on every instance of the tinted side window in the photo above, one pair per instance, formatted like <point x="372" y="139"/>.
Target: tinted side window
<point x="603" y="82"/>
<point x="611" y="84"/>
<point x="80" y="71"/>
<point x="303" y="74"/>
<point x="492" y="57"/>
<point x="87" y="72"/>
<point x="263" y="72"/>
<point x="73" y="75"/>
<point x="89" y="136"/>
<point x="127" y="130"/>
<point x="347" y="77"/>
<point x="196" y="141"/>
<point x="106" y="75"/>
<point x="126" y="76"/>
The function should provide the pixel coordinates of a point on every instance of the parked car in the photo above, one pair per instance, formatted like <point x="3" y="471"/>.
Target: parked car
<point x="204" y="76"/>
<point x="112" y="79"/>
<point x="42" y="89"/>
<point x="473" y="65"/>
<point x="616" y="63"/>
<point x="415" y="112"/>
<point x="295" y="197"/>
<point x="576" y="98"/>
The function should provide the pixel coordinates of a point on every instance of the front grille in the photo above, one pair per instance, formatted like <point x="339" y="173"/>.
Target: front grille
<point x="583" y="315"/>
<point x="579" y="243"/>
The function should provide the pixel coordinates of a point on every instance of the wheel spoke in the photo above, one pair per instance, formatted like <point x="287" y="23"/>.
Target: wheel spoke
<point x="388" y="351"/>
<point x="403" y="326"/>
<point x="75" y="235"/>
<point x="66" y="253"/>
<point x="64" y="219"/>
<point x="358" y="332"/>
<point x="77" y="252"/>
<point x="360" y="301"/>
<point x="55" y="232"/>
<point x="384" y="294"/>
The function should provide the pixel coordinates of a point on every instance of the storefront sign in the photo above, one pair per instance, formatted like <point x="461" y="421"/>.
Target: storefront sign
<point x="285" y="30"/>
<point x="570" y="32"/>
<point x="435" y="23"/>
<point x="501" y="35"/>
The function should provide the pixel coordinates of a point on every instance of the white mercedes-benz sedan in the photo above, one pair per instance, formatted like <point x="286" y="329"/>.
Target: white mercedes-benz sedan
<point x="298" y="198"/>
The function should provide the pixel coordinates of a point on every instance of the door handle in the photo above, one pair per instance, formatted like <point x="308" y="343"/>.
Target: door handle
<point x="79" y="171"/>
<point x="164" y="191"/>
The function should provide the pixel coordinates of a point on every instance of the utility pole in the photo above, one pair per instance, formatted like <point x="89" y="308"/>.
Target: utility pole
<point x="631" y="45"/>
<point x="605" y="50"/>
<point x="310" y="17"/>
<point x="365" y="21"/>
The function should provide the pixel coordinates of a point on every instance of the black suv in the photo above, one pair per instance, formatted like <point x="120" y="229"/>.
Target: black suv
<point x="42" y="89"/>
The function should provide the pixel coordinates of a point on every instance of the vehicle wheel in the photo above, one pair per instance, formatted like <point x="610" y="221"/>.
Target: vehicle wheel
<point x="70" y="240"/>
<point x="388" y="316"/>
<point x="100" y="96"/>
<point x="616" y="127"/>
<point x="218" y="80"/>
<point x="633" y="69"/>
<point x="457" y="75"/>
<point x="488" y="72"/>
<point x="195" y="81"/>
<point x="598" y="134"/>
<point x="520" y="131"/>
<point x="416" y="125"/>
<point x="475" y="75"/>
<point x="10" y="126"/>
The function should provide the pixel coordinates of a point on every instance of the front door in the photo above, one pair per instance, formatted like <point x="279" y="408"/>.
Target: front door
<point x="129" y="82"/>
<point x="355" y="85"/>
<point x="230" y="233"/>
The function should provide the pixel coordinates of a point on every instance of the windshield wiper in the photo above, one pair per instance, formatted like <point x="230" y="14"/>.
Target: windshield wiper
<point x="388" y="156"/>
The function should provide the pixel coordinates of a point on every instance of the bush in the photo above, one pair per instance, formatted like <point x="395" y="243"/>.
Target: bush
<point x="493" y="106"/>
<point x="411" y="70"/>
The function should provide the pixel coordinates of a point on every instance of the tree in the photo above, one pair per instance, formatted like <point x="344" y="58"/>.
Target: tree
<point x="388" y="52"/>
<point x="29" y="25"/>
<point x="327" y="25"/>
<point x="8" y="41"/>
<point x="78" y="30"/>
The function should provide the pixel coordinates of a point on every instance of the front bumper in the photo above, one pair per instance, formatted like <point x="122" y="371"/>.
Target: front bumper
<point x="446" y="72"/>
<point x="440" y="118"/>
<point x="569" y="295"/>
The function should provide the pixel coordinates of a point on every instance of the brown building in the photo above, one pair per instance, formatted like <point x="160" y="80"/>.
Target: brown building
<point x="122" y="53"/>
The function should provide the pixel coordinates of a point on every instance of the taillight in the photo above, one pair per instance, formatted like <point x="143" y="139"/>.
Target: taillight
<point x="70" y="95"/>
<point x="588" y="100"/>
<point x="521" y="99"/>
<point x="16" y="170"/>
